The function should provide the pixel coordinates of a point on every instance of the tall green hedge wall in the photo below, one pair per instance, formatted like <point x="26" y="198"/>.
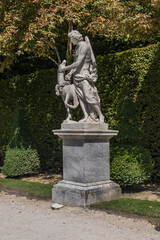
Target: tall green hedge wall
<point x="45" y="112"/>
<point x="7" y="99"/>
<point x="134" y="73"/>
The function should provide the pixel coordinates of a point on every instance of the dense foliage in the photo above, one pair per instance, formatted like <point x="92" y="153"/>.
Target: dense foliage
<point x="7" y="102"/>
<point x="137" y="70"/>
<point x="21" y="156"/>
<point x="44" y="111"/>
<point x="39" y="26"/>
<point x="130" y="162"/>
<point x="132" y="74"/>
<point x="20" y="161"/>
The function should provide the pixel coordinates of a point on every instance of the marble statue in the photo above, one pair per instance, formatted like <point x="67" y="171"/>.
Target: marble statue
<point x="67" y="92"/>
<point x="84" y="73"/>
<point x="86" y="146"/>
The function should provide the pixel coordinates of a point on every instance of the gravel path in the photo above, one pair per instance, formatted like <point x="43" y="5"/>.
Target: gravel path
<point x="24" y="219"/>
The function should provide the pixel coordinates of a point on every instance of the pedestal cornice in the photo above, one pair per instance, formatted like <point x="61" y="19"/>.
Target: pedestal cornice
<point x="85" y="131"/>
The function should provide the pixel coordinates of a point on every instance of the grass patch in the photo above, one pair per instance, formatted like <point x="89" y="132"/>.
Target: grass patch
<point x="44" y="191"/>
<point x="38" y="190"/>
<point x="132" y="206"/>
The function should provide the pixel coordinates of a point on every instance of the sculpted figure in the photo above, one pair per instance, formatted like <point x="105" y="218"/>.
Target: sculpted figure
<point x="67" y="92"/>
<point x="84" y="73"/>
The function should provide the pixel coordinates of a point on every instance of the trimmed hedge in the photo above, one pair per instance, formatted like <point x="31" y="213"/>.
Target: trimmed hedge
<point x="131" y="165"/>
<point x="20" y="161"/>
<point x="7" y="106"/>
<point x="21" y="155"/>
<point x="44" y="110"/>
<point x="137" y="70"/>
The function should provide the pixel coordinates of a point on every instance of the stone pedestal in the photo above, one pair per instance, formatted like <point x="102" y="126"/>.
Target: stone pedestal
<point x="86" y="165"/>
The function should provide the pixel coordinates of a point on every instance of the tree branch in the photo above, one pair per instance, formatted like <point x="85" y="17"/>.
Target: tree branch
<point x="58" y="56"/>
<point x="69" y="44"/>
<point x="52" y="60"/>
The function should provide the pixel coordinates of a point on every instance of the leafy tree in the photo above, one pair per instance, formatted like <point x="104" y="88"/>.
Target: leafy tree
<point x="40" y="26"/>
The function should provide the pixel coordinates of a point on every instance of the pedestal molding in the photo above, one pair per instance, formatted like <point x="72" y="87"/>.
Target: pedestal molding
<point x="86" y="165"/>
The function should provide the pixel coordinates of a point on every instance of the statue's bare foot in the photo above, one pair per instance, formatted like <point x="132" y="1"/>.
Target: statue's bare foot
<point x="69" y="118"/>
<point x="84" y="119"/>
<point x="96" y="120"/>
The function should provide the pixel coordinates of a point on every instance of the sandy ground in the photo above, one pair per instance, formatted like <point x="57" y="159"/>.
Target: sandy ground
<point x="24" y="219"/>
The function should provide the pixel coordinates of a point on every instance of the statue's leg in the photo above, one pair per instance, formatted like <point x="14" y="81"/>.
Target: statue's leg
<point x="98" y="111"/>
<point x="83" y="107"/>
<point x="69" y="115"/>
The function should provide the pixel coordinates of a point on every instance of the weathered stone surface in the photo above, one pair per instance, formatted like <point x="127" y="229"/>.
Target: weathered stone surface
<point x="86" y="160"/>
<point x="86" y="165"/>
<point x="79" y="131"/>
<point x="85" y="126"/>
<point x="80" y="194"/>
<point x="83" y="90"/>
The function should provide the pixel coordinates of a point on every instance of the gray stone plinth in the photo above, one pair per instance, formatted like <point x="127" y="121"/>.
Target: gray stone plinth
<point x="86" y="165"/>
<point x="80" y="194"/>
<point x="86" y="160"/>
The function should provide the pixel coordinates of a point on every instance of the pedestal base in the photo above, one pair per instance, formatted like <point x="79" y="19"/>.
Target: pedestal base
<point x="86" y="165"/>
<point x="81" y="194"/>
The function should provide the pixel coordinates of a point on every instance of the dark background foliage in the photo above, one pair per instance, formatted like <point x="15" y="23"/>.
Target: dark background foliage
<point x="133" y="73"/>
<point x="44" y="110"/>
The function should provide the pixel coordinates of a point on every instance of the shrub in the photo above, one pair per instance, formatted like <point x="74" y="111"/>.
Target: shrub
<point x="20" y="161"/>
<point x="21" y="156"/>
<point x="139" y="70"/>
<point x="131" y="164"/>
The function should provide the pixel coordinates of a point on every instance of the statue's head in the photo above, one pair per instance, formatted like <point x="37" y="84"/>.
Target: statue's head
<point x="74" y="34"/>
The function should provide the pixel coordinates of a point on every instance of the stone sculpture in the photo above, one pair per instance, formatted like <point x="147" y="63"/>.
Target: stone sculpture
<point x="83" y="90"/>
<point x="86" y="147"/>
<point x="67" y="92"/>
